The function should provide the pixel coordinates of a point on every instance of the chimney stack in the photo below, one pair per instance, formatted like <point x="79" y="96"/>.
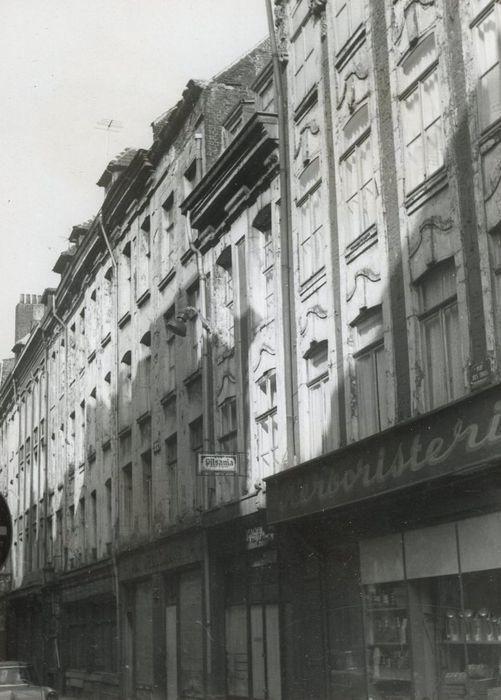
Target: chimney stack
<point x="29" y="311"/>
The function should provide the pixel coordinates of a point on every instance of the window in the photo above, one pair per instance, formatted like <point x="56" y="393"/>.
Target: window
<point x="167" y="245"/>
<point x="194" y="337"/>
<point x="125" y="390"/>
<point x="358" y="176"/>
<point x="486" y="36"/>
<point x="348" y="17"/>
<point x="370" y="371"/>
<point x="422" y="115"/>
<point x="225" y="293"/>
<point x="147" y="488"/>
<point x="311" y="243"/>
<point x="196" y="438"/>
<point x="171" y="452"/>
<point x="124" y="280"/>
<point x="228" y="425"/>
<point x="169" y="357"/>
<point x="109" y="516"/>
<point x="127" y="495"/>
<point x="190" y="178"/>
<point x="93" y="531"/>
<point x="266" y="421"/>
<point x="440" y="335"/>
<point x="305" y="68"/>
<point x="143" y="258"/>
<point x="144" y="373"/>
<point x="318" y="398"/>
<point x="262" y="222"/>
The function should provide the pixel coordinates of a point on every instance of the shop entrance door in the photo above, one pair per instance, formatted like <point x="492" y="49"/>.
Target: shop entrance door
<point x="265" y="652"/>
<point x="171" y="651"/>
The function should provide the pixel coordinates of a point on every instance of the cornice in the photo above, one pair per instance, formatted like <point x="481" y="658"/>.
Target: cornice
<point x="240" y="166"/>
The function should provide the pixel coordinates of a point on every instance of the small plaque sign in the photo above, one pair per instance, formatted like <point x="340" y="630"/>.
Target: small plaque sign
<point x="210" y="464"/>
<point x="480" y="373"/>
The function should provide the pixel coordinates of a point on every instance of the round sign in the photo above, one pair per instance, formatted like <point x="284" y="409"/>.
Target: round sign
<point x="5" y="530"/>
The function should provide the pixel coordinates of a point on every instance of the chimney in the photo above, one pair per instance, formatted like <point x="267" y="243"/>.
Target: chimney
<point x="29" y="311"/>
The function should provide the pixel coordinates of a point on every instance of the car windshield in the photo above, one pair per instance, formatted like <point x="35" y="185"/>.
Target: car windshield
<point x="15" y="675"/>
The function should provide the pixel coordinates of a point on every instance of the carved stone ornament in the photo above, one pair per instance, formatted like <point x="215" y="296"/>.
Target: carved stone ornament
<point x="429" y="226"/>
<point x="316" y="311"/>
<point x="408" y="18"/>
<point x="492" y="182"/>
<point x="317" y="7"/>
<point x="366" y="275"/>
<point x="281" y="27"/>
<point x="359" y="71"/>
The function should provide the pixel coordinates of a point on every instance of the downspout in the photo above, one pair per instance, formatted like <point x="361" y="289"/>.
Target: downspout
<point x="207" y="433"/>
<point x="116" y="491"/>
<point x="286" y="277"/>
<point x="65" y="330"/>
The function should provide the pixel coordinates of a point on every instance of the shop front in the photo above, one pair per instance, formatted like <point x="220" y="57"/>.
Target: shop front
<point x="391" y="562"/>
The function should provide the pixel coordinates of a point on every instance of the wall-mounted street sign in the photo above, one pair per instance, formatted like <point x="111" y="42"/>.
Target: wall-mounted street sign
<point x="5" y="530"/>
<point x="211" y="464"/>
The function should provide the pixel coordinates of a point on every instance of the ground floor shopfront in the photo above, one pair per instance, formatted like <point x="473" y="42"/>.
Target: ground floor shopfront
<point x="390" y="558"/>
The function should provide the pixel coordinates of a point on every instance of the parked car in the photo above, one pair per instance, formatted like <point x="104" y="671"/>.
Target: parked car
<point x="17" y="682"/>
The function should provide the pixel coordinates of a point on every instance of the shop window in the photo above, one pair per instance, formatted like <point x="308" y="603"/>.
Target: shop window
<point x="370" y="371"/>
<point x="305" y="66"/>
<point x="191" y="647"/>
<point x="318" y="398"/>
<point x="142" y="638"/>
<point x="228" y="425"/>
<point x="357" y="173"/>
<point x="226" y="296"/>
<point x="348" y="16"/>
<point x="168" y="235"/>
<point x="266" y="422"/>
<point x="432" y="612"/>
<point x="440" y="336"/>
<point x="486" y="37"/>
<point x="108" y="534"/>
<point x="421" y="114"/>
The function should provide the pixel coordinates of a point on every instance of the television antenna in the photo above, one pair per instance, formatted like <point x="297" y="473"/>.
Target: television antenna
<point x="111" y="126"/>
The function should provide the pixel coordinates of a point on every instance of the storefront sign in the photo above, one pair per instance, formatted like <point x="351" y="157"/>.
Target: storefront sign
<point x="217" y="464"/>
<point x="448" y="441"/>
<point x="258" y="537"/>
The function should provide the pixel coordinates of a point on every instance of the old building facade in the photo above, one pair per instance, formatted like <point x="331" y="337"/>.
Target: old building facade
<point x="298" y="280"/>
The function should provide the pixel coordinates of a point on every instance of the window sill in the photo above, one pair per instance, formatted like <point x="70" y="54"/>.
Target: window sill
<point x="363" y="241"/>
<point x="91" y="357"/>
<point x="169" y="397"/>
<point x="124" y="320"/>
<point x="186" y="256"/>
<point x="144" y="417"/>
<point x="167" y="278"/>
<point x="123" y="432"/>
<point x="426" y="190"/>
<point x="106" y="340"/>
<point x="490" y="136"/>
<point x="312" y="282"/>
<point x="349" y="47"/>
<point x="225" y="354"/>
<point x="106" y="444"/>
<point x="140" y="301"/>
<point x="191" y="378"/>
<point x="306" y="102"/>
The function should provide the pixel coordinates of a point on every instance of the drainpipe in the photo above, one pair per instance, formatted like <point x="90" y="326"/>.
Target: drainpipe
<point x="65" y="331"/>
<point x="116" y="491"/>
<point x="287" y="273"/>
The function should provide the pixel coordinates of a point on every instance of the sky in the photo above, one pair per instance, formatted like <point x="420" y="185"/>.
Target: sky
<point x="68" y="65"/>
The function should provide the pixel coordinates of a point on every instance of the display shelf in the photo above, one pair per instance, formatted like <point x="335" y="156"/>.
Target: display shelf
<point x="461" y="643"/>
<point x="390" y="675"/>
<point x="385" y="610"/>
<point x="387" y="644"/>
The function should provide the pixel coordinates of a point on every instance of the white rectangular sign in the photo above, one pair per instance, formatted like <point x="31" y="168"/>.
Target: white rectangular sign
<point x="217" y="464"/>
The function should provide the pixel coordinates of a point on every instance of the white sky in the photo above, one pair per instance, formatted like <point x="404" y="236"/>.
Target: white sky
<point x="66" y="65"/>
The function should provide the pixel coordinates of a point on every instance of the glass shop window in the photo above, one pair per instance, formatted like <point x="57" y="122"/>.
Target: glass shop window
<point x="432" y="611"/>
